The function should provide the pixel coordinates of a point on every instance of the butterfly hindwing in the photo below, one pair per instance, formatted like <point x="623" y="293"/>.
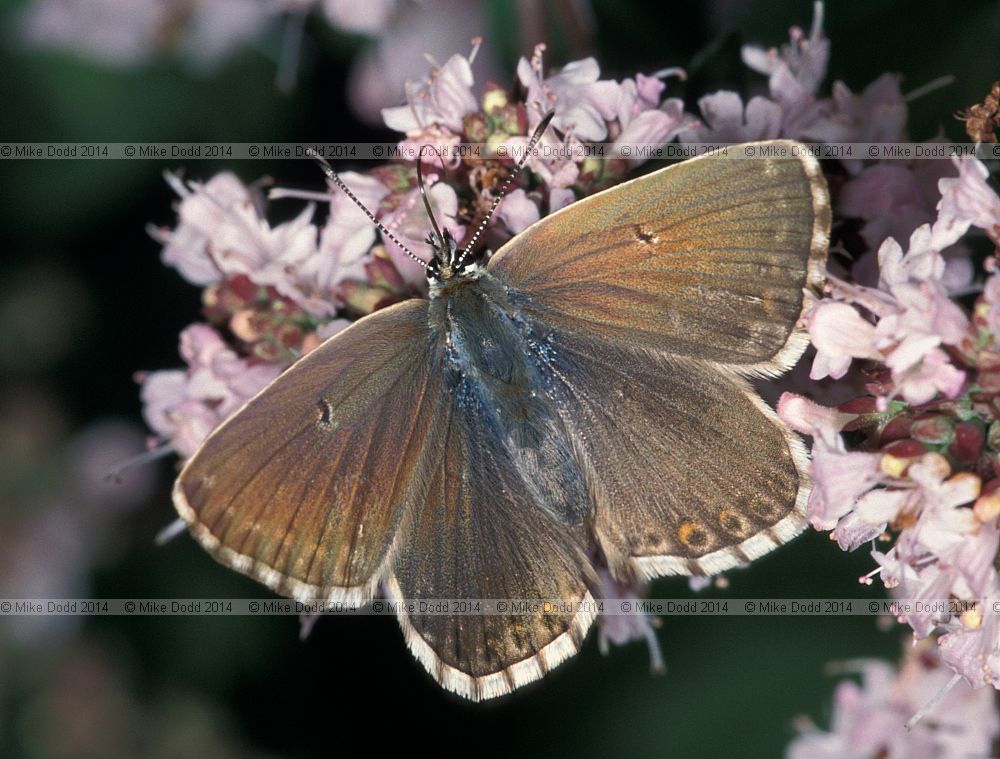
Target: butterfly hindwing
<point x="504" y="518"/>
<point x="688" y="471"/>
<point x="482" y="534"/>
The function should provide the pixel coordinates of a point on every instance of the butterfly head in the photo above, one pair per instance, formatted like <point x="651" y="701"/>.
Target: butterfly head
<point x="450" y="265"/>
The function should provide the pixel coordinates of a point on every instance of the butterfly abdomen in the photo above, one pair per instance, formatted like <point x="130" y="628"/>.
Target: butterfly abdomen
<point x="492" y="371"/>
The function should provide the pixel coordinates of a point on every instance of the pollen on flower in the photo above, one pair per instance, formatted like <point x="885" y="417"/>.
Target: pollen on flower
<point x="972" y="619"/>
<point x="894" y="466"/>
<point x="987" y="507"/>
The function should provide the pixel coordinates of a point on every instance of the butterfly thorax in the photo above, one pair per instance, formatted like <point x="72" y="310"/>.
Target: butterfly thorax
<point x="494" y="369"/>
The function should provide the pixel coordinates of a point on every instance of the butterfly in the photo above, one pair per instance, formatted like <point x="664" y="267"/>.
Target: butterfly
<point x="582" y="397"/>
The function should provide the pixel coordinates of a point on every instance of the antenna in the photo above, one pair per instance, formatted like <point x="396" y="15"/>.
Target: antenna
<point x="535" y="137"/>
<point x="333" y="177"/>
<point x="427" y="203"/>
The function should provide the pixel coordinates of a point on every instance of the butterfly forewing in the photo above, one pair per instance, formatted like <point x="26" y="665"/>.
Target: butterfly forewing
<point x="306" y="486"/>
<point x="707" y="258"/>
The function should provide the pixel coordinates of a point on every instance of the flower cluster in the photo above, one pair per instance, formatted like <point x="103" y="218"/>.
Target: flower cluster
<point x="921" y="470"/>
<point x="870" y="719"/>
<point x="130" y="33"/>
<point x="918" y="461"/>
<point x="887" y="197"/>
<point x="202" y="35"/>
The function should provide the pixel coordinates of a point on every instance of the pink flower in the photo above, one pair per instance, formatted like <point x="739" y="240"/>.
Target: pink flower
<point x="203" y="209"/>
<point x="411" y="34"/>
<point x="437" y="145"/>
<point x="223" y="233"/>
<point x="933" y="373"/>
<point x="869" y="719"/>
<point x="889" y="199"/>
<point x="124" y="34"/>
<point x="442" y="100"/>
<point x="726" y="120"/>
<point x="560" y="197"/>
<point x="839" y="477"/>
<point x="115" y="33"/>
<point x="840" y="335"/>
<point x="582" y="102"/>
<point x="620" y="628"/>
<point x="915" y="317"/>
<point x="966" y="201"/>
<point x="794" y="75"/>
<point x="941" y="525"/>
<point x="216" y="28"/>
<point x="804" y="58"/>
<point x="974" y="651"/>
<point x="641" y="117"/>
<point x="922" y="263"/>
<point x="247" y="244"/>
<point x="944" y="552"/>
<point x="185" y="406"/>
<point x="369" y="17"/>
<point x="555" y="161"/>
<point x="977" y="561"/>
<point x="410" y="224"/>
<point x="346" y="240"/>
<point x="517" y="211"/>
<point x="654" y="127"/>
<point x="878" y="114"/>
<point x="809" y="418"/>
<point x="853" y="530"/>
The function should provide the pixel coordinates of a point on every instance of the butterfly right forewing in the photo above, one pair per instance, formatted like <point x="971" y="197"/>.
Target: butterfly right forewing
<point x="708" y="258"/>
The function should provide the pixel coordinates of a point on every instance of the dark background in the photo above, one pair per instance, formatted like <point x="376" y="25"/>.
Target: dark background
<point x="85" y="302"/>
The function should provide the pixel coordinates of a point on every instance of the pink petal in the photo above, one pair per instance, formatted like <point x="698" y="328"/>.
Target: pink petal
<point x="839" y="333"/>
<point x="808" y="417"/>
<point x="517" y="211"/>
<point x="965" y="201"/>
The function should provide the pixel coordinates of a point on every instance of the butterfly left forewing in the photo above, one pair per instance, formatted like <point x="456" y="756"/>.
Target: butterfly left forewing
<point x="306" y="487"/>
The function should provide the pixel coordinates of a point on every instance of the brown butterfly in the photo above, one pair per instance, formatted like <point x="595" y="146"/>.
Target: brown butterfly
<point x="582" y="394"/>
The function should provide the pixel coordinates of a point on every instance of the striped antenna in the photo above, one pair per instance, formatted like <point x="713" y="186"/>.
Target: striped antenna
<point x="427" y="204"/>
<point x="539" y="130"/>
<point x="333" y="177"/>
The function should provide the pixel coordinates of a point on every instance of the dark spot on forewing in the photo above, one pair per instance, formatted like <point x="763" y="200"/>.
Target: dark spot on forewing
<point x="644" y="235"/>
<point x="324" y="414"/>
